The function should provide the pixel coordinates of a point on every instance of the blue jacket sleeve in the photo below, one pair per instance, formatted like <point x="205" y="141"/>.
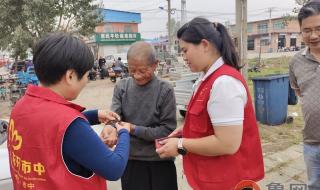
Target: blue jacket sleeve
<point x="83" y="146"/>
<point x="92" y="116"/>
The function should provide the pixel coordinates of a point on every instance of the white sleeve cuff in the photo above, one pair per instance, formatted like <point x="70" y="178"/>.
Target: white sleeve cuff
<point x="227" y="101"/>
<point x="232" y="122"/>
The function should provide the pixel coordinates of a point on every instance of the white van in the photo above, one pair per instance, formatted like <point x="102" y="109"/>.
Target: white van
<point x="5" y="176"/>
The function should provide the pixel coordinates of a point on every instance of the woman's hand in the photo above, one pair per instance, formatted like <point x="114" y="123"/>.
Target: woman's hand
<point x="169" y="148"/>
<point x="107" y="117"/>
<point x="109" y="135"/>
<point x="176" y="133"/>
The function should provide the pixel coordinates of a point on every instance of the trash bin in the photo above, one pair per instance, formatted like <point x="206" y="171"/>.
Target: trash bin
<point x="292" y="97"/>
<point x="271" y="98"/>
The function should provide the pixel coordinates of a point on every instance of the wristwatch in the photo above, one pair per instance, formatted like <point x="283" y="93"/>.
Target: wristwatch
<point x="181" y="150"/>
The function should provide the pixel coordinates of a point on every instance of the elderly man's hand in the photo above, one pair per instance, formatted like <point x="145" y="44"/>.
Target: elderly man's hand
<point x="124" y="125"/>
<point x="107" y="117"/>
<point x="109" y="135"/>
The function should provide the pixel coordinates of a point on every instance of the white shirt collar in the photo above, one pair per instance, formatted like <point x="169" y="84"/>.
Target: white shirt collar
<point x="216" y="65"/>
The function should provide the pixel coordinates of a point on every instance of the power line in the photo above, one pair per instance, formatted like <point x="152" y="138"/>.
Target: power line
<point x="156" y="3"/>
<point x="216" y="15"/>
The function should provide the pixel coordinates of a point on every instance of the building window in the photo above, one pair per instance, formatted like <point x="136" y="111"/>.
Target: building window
<point x="250" y="43"/>
<point x="108" y="28"/>
<point x="281" y="41"/>
<point x="293" y="42"/>
<point x="264" y="40"/>
<point x="263" y="28"/>
<point x="278" y="25"/>
<point x="250" y="28"/>
<point x="128" y="29"/>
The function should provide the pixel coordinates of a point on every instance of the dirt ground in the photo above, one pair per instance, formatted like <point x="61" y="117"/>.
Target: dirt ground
<point x="97" y="94"/>
<point x="281" y="137"/>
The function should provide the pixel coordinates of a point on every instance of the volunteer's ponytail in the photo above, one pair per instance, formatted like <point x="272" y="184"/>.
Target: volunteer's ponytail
<point x="200" y="28"/>
<point x="227" y="49"/>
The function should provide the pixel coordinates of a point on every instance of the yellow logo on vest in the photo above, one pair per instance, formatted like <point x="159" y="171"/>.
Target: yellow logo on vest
<point x="14" y="137"/>
<point x="27" y="173"/>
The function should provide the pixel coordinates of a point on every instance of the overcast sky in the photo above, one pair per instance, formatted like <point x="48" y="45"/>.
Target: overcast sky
<point x="154" y="19"/>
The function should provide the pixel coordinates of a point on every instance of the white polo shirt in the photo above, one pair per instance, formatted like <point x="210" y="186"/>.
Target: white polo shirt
<point x="227" y="100"/>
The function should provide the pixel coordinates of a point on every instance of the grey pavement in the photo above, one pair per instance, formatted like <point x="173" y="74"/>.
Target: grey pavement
<point x="285" y="168"/>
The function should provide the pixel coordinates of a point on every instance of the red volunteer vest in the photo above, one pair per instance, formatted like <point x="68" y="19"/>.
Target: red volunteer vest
<point x="221" y="172"/>
<point x="37" y="126"/>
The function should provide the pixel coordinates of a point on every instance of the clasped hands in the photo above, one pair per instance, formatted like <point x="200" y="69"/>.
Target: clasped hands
<point x="109" y="134"/>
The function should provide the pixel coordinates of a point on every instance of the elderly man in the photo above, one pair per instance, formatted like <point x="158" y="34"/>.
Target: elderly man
<point x="148" y="104"/>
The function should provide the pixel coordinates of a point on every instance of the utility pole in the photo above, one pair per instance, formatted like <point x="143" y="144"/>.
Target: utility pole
<point x="241" y="32"/>
<point x="183" y="12"/>
<point x="270" y="27"/>
<point x="169" y="26"/>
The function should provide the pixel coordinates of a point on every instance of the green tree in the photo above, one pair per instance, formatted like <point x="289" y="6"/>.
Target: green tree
<point x="20" y="42"/>
<point x="22" y="22"/>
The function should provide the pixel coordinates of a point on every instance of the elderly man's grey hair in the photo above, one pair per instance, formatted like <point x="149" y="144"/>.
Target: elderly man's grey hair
<point x="142" y="51"/>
